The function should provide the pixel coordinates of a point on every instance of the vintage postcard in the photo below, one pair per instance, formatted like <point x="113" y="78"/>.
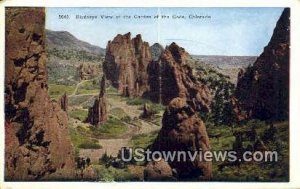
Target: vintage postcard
<point x="147" y="94"/>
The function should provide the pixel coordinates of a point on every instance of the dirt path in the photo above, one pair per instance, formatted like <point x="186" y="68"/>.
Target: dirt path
<point x="77" y="86"/>
<point x="112" y="145"/>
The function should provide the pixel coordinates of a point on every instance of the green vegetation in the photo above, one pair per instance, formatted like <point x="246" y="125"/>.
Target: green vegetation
<point x="80" y="139"/>
<point x="119" y="113"/>
<point x="89" y="87"/>
<point x="69" y="54"/>
<point x="62" y="74"/>
<point x="222" y="90"/>
<point x="109" y="174"/>
<point x="57" y="90"/>
<point x="252" y="171"/>
<point x="79" y="114"/>
<point x="136" y="101"/>
<point x="81" y="100"/>
<point x="143" y="140"/>
<point x="112" y="128"/>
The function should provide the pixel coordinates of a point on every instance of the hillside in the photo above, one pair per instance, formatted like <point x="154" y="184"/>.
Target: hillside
<point x="67" y="56"/>
<point x="67" y="41"/>
<point x="227" y="65"/>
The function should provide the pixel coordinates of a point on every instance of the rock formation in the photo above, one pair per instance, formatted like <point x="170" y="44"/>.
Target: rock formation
<point x="156" y="51"/>
<point x="158" y="171"/>
<point x="88" y="71"/>
<point x="183" y="130"/>
<point x="176" y="79"/>
<point x="263" y="89"/>
<point x="126" y="63"/>
<point x="154" y="73"/>
<point x="64" y="102"/>
<point x="98" y="112"/>
<point x="37" y="142"/>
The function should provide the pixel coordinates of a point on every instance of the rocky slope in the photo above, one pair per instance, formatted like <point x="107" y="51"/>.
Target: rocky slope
<point x="37" y="143"/>
<point x="126" y="63"/>
<point x="70" y="59"/>
<point x="263" y="89"/>
<point x="183" y="130"/>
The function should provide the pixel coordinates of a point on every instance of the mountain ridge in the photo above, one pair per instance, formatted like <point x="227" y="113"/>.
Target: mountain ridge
<point x="66" y="40"/>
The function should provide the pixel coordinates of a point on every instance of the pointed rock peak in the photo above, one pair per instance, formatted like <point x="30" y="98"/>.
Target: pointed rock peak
<point x="120" y="38"/>
<point x="138" y="37"/>
<point x="176" y="51"/>
<point x="173" y="47"/>
<point x="128" y="35"/>
<point x="102" y="86"/>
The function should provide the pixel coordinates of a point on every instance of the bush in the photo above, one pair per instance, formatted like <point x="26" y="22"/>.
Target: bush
<point x="90" y="145"/>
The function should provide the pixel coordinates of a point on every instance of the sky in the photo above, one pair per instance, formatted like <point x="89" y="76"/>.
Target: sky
<point x="223" y="31"/>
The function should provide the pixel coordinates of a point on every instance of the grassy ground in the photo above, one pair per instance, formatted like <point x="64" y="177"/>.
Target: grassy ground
<point x="118" y="112"/>
<point x="57" y="90"/>
<point x="89" y="87"/>
<point x="143" y="140"/>
<point x="111" y="128"/>
<point x="79" y="114"/>
<point x="80" y="139"/>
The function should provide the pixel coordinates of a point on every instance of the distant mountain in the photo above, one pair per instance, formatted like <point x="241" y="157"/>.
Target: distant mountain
<point x="228" y="60"/>
<point x="227" y="65"/>
<point x="67" y="41"/>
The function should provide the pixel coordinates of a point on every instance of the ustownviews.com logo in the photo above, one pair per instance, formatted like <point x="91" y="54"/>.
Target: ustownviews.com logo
<point x="140" y="154"/>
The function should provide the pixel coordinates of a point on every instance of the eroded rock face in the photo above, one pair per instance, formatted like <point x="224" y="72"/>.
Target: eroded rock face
<point x="183" y="130"/>
<point x="176" y="79"/>
<point x="38" y="145"/>
<point x="88" y="71"/>
<point x="126" y="63"/>
<point x="98" y="112"/>
<point x="263" y="89"/>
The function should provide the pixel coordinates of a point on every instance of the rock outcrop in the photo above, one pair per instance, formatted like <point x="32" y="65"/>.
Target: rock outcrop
<point x="183" y="130"/>
<point x="64" y="102"/>
<point x="37" y="142"/>
<point x="158" y="171"/>
<point x="98" y="112"/>
<point x="88" y="71"/>
<point x="176" y="79"/>
<point x="155" y="73"/>
<point x="263" y="89"/>
<point x="126" y="63"/>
